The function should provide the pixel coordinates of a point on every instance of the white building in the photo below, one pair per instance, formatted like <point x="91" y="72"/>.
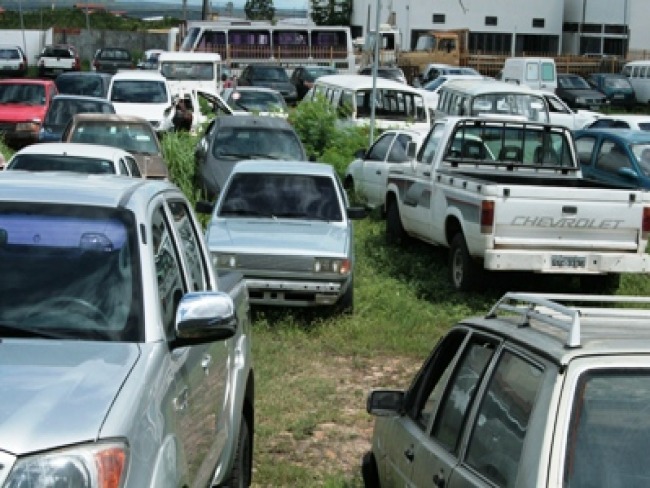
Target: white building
<point x="518" y="26"/>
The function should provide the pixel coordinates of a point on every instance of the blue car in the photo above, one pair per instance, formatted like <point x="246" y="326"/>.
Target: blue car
<point x="61" y="110"/>
<point x="617" y="156"/>
<point x="616" y="87"/>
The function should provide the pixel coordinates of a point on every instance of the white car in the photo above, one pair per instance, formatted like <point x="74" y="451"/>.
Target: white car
<point x="75" y="157"/>
<point x="622" y="121"/>
<point x="256" y="99"/>
<point x="561" y="114"/>
<point x="367" y="175"/>
<point x="144" y="93"/>
<point x="430" y="89"/>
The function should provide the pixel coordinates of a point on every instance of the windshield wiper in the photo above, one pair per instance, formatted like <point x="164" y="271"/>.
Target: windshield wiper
<point x="12" y="330"/>
<point x="290" y="215"/>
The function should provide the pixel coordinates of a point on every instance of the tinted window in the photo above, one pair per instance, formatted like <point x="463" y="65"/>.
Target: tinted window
<point x="139" y="91"/>
<point x="189" y="241"/>
<point x="82" y="85"/>
<point x="51" y="162"/>
<point x="22" y="93"/>
<point x="132" y="137"/>
<point x="241" y="143"/>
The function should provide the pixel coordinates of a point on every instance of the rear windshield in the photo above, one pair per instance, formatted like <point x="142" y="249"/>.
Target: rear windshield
<point x="115" y="54"/>
<point x="22" y="93"/>
<point x="61" y="111"/>
<point x="270" y="73"/>
<point x="52" y="162"/>
<point x="233" y="144"/>
<point x="139" y="91"/>
<point x="82" y="85"/>
<point x="136" y="138"/>
<point x="58" y="52"/>
<point x="69" y="272"/>
<point x="184" y="70"/>
<point x="9" y="53"/>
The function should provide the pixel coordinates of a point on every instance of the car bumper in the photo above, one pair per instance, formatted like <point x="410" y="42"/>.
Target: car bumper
<point x="297" y="293"/>
<point x="15" y="138"/>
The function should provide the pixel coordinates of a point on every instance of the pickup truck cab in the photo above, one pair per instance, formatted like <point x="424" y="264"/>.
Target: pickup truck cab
<point x="509" y="195"/>
<point x="126" y="359"/>
<point x="56" y="59"/>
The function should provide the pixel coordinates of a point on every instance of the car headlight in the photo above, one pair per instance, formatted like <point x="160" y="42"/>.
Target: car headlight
<point x="101" y="465"/>
<point x="581" y="100"/>
<point x="32" y="125"/>
<point x="224" y="261"/>
<point x="332" y="265"/>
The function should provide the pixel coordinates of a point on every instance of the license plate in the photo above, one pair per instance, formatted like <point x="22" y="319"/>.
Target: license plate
<point x="568" y="261"/>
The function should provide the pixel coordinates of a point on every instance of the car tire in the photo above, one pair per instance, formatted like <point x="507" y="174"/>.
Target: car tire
<point x="395" y="233"/>
<point x="345" y="304"/>
<point x="464" y="272"/>
<point x="240" y="475"/>
<point x="369" y="471"/>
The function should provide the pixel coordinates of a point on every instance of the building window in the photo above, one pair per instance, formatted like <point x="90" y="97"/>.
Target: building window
<point x="570" y="27"/>
<point x="438" y="18"/>
<point x="490" y="20"/>
<point x="538" y="23"/>
<point x="615" y="29"/>
<point x="592" y="28"/>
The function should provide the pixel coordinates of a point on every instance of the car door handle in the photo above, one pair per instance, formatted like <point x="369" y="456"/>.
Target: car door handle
<point x="409" y="454"/>
<point x="180" y="402"/>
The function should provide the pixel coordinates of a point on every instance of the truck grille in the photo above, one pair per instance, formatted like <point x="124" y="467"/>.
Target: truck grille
<point x="283" y="263"/>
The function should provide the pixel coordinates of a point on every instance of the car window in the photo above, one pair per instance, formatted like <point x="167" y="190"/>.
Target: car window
<point x="22" y="93"/>
<point x="136" y="138"/>
<point x="428" y="151"/>
<point x="379" y="150"/>
<point x="124" y="170"/>
<point x="612" y="157"/>
<point x="189" y="241"/>
<point x="460" y="392"/>
<point x="398" y="149"/>
<point x="168" y="270"/>
<point x="56" y="162"/>
<point x="78" y="280"/>
<point x="585" y="147"/>
<point x="139" y="91"/>
<point x="134" y="169"/>
<point x="240" y="143"/>
<point x="498" y="436"/>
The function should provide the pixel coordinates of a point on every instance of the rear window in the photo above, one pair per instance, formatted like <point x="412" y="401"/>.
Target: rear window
<point x="269" y="73"/>
<point x="119" y="54"/>
<point x="51" y="162"/>
<point x="9" y="54"/>
<point x="139" y="91"/>
<point x="82" y="85"/>
<point x="58" y="52"/>
<point x="233" y="144"/>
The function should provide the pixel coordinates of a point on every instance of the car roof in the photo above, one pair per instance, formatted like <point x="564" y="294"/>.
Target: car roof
<point x="111" y="191"/>
<point x="570" y="326"/>
<point x="361" y="82"/>
<point x="254" y="121"/>
<point x="188" y="56"/>
<point x="275" y="166"/>
<point x="73" y="149"/>
<point x="138" y="74"/>
<point x="475" y="86"/>
<point x="629" y="136"/>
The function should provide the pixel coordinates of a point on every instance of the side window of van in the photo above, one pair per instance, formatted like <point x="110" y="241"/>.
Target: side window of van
<point x="532" y="71"/>
<point x="319" y="90"/>
<point x="548" y="72"/>
<point x="346" y="104"/>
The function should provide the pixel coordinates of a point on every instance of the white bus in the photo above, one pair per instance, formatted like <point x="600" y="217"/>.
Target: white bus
<point x="396" y="105"/>
<point x="191" y="71"/>
<point x="291" y="45"/>
<point x="638" y="72"/>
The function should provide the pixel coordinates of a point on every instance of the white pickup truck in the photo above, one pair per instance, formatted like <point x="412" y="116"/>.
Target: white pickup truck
<point x="509" y="196"/>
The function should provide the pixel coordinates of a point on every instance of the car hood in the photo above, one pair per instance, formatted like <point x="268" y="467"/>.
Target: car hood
<point x="281" y="236"/>
<point x="152" y="165"/>
<point x="57" y="393"/>
<point x="17" y="112"/>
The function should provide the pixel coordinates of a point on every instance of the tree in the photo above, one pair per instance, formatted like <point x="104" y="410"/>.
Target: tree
<point x="331" y="12"/>
<point x="259" y="9"/>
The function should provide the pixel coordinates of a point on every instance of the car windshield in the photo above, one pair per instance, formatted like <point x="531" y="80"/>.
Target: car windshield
<point x="56" y="162"/>
<point x="69" y="272"/>
<point x="312" y="73"/>
<point x="62" y="110"/>
<point x="57" y="52"/>
<point x="268" y="73"/>
<point x="22" y="93"/>
<point x="282" y="196"/>
<point x="136" y="138"/>
<point x="433" y="84"/>
<point x="245" y="143"/>
<point x="609" y="435"/>
<point x="572" y="82"/>
<point x="9" y="53"/>
<point x="258" y="101"/>
<point x="80" y="85"/>
<point x="617" y="82"/>
<point x="139" y="91"/>
<point x="184" y="70"/>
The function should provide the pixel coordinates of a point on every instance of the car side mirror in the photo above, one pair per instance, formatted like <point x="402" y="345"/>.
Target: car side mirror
<point x="204" y="317"/>
<point x="384" y="403"/>
<point x="360" y="154"/>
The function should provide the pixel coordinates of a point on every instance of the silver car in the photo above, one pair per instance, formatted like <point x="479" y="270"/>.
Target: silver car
<point x="286" y="226"/>
<point x="126" y="361"/>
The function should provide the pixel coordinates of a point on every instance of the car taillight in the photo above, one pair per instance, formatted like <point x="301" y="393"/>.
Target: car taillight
<point x="487" y="216"/>
<point x="645" y="224"/>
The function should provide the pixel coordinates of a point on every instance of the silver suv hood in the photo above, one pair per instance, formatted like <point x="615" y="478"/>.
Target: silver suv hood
<point x="57" y="393"/>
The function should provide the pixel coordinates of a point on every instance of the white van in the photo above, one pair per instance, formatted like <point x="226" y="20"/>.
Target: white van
<point x="638" y="72"/>
<point x="491" y="98"/>
<point x="396" y="105"/>
<point x="537" y="73"/>
<point x="191" y="71"/>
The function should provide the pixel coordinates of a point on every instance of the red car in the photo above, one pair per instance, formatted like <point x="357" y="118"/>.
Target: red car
<point x="23" y="103"/>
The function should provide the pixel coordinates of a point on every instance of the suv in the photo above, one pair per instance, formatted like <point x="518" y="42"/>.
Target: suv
<point x="112" y="59"/>
<point x="271" y="76"/>
<point x="541" y="391"/>
<point x="126" y="360"/>
<point x="56" y="59"/>
<point x="13" y="62"/>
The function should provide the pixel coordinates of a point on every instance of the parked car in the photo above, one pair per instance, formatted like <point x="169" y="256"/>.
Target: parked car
<point x="23" y="104"/>
<point x="257" y="99"/>
<point x="286" y="226"/>
<point x="617" y="156"/>
<point x="78" y="158"/>
<point x="89" y="83"/>
<point x="61" y="110"/>
<point x="228" y="140"/>
<point x="367" y="175"/>
<point x="270" y="76"/>
<point x="430" y="89"/>
<point x="621" y="121"/>
<point x="143" y="93"/>
<point x="13" y="62"/>
<point x="577" y="93"/>
<point x="128" y="132"/>
<point x="432" y="70"/>
<point x="303" y="77"/>
<point x="56" y="59"/>
<point x="390" y="73"/>
<point x="126" y="360"/>
<point x="539" y="391"/>
<point x="112" y="59"/>
<point x="561" y="114"/>
<point x="616" y="87"/>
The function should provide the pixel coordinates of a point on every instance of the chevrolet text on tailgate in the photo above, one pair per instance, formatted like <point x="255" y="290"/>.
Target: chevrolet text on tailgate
<point x="508" y="195"/>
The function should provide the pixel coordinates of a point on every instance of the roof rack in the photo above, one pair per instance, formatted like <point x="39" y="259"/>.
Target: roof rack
<point x="553" y="309"/>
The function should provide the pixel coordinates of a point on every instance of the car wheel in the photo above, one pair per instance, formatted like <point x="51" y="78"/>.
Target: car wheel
<point x="345" y="304"/>
<point x="606" y="284"/>
<point x="464" y="272"/>
<point x="369" y="471"/>
<point x="395" y="233"/>
<point x="240" y="476"/>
